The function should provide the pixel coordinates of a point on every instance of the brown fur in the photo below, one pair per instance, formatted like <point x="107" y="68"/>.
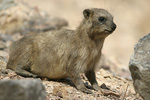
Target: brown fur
<point x="64" y="53"/>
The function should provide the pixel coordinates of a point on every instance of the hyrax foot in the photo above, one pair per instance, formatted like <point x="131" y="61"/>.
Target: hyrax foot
<point x="85" y="90"/>
<point x="92" y="79"/>
<point x="96" y="87"/>
<point x="25" y="73"/>
<point x="80" y="85"/>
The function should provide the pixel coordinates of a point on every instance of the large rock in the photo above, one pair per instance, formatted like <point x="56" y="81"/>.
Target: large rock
<point x="17" y="16"/>
<point x="26" y="89"/>
<point x="140" y="67"/>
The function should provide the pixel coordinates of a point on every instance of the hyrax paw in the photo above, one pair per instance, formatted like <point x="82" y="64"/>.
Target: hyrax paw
<point x="31" y="75"/>
<point x="96" y="87"/>
<point x="85" y="90"/>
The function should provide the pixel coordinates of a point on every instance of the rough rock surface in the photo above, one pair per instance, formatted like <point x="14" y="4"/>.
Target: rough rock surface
<point x="26" y="89"/>
<point x="17" y="16"/>
<point x="140" y="67"/>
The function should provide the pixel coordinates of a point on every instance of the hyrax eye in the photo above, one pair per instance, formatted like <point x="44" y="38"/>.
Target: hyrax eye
<point x="102" y="19"/>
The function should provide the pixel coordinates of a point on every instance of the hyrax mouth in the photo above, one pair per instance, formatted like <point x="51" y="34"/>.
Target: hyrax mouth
<point x="113" y="27"/>
<point x="108" y="31"/>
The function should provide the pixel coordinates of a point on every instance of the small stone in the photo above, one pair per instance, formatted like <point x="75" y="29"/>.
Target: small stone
<point x="4" y="54"/>
<point x="109" y="92"/>
<point x="59" y="93"/>
<point x="3" y="62"/>
<point x="2" y="45"/>
<point x="103" y="86"/>
<point x="6" y="78"/>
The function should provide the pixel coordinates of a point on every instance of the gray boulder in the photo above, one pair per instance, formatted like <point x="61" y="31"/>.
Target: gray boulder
<point x="25" y="89"/>
<point x="139" y="66"/>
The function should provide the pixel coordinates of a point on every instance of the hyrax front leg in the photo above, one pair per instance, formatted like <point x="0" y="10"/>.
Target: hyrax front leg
<point x="92" y="79"/>
<point x="80" y="84"/>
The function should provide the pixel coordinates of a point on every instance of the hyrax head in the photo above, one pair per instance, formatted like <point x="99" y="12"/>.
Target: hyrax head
<point x="100" y="22"/>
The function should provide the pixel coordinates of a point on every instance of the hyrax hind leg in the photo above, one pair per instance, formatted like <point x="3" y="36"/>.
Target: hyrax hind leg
<point x="92" y="79"/>
<point x="80" y="84"/>
<point x="24" y="72"/>
<point x="21" y="65"/>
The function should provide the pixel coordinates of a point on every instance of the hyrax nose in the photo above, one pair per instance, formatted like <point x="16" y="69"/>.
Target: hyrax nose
<point x="114" y="26"/>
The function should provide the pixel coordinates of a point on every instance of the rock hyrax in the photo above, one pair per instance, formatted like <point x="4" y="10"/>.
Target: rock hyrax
<point x="64" y="53"/>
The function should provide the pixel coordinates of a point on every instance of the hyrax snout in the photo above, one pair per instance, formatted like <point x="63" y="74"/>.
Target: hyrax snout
<point x="64" y="53"/>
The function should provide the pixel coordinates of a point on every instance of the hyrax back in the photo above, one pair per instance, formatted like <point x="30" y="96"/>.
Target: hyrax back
<point x="64" y="53"/>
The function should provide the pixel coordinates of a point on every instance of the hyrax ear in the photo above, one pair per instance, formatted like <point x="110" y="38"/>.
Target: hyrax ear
<point x="87" y="13"/>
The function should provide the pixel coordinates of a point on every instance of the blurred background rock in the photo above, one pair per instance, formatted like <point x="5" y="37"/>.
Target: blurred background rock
<point x="16" y="16"/>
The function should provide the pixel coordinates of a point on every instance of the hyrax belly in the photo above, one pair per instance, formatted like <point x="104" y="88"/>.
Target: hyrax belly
<point x="51" y="73"/>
